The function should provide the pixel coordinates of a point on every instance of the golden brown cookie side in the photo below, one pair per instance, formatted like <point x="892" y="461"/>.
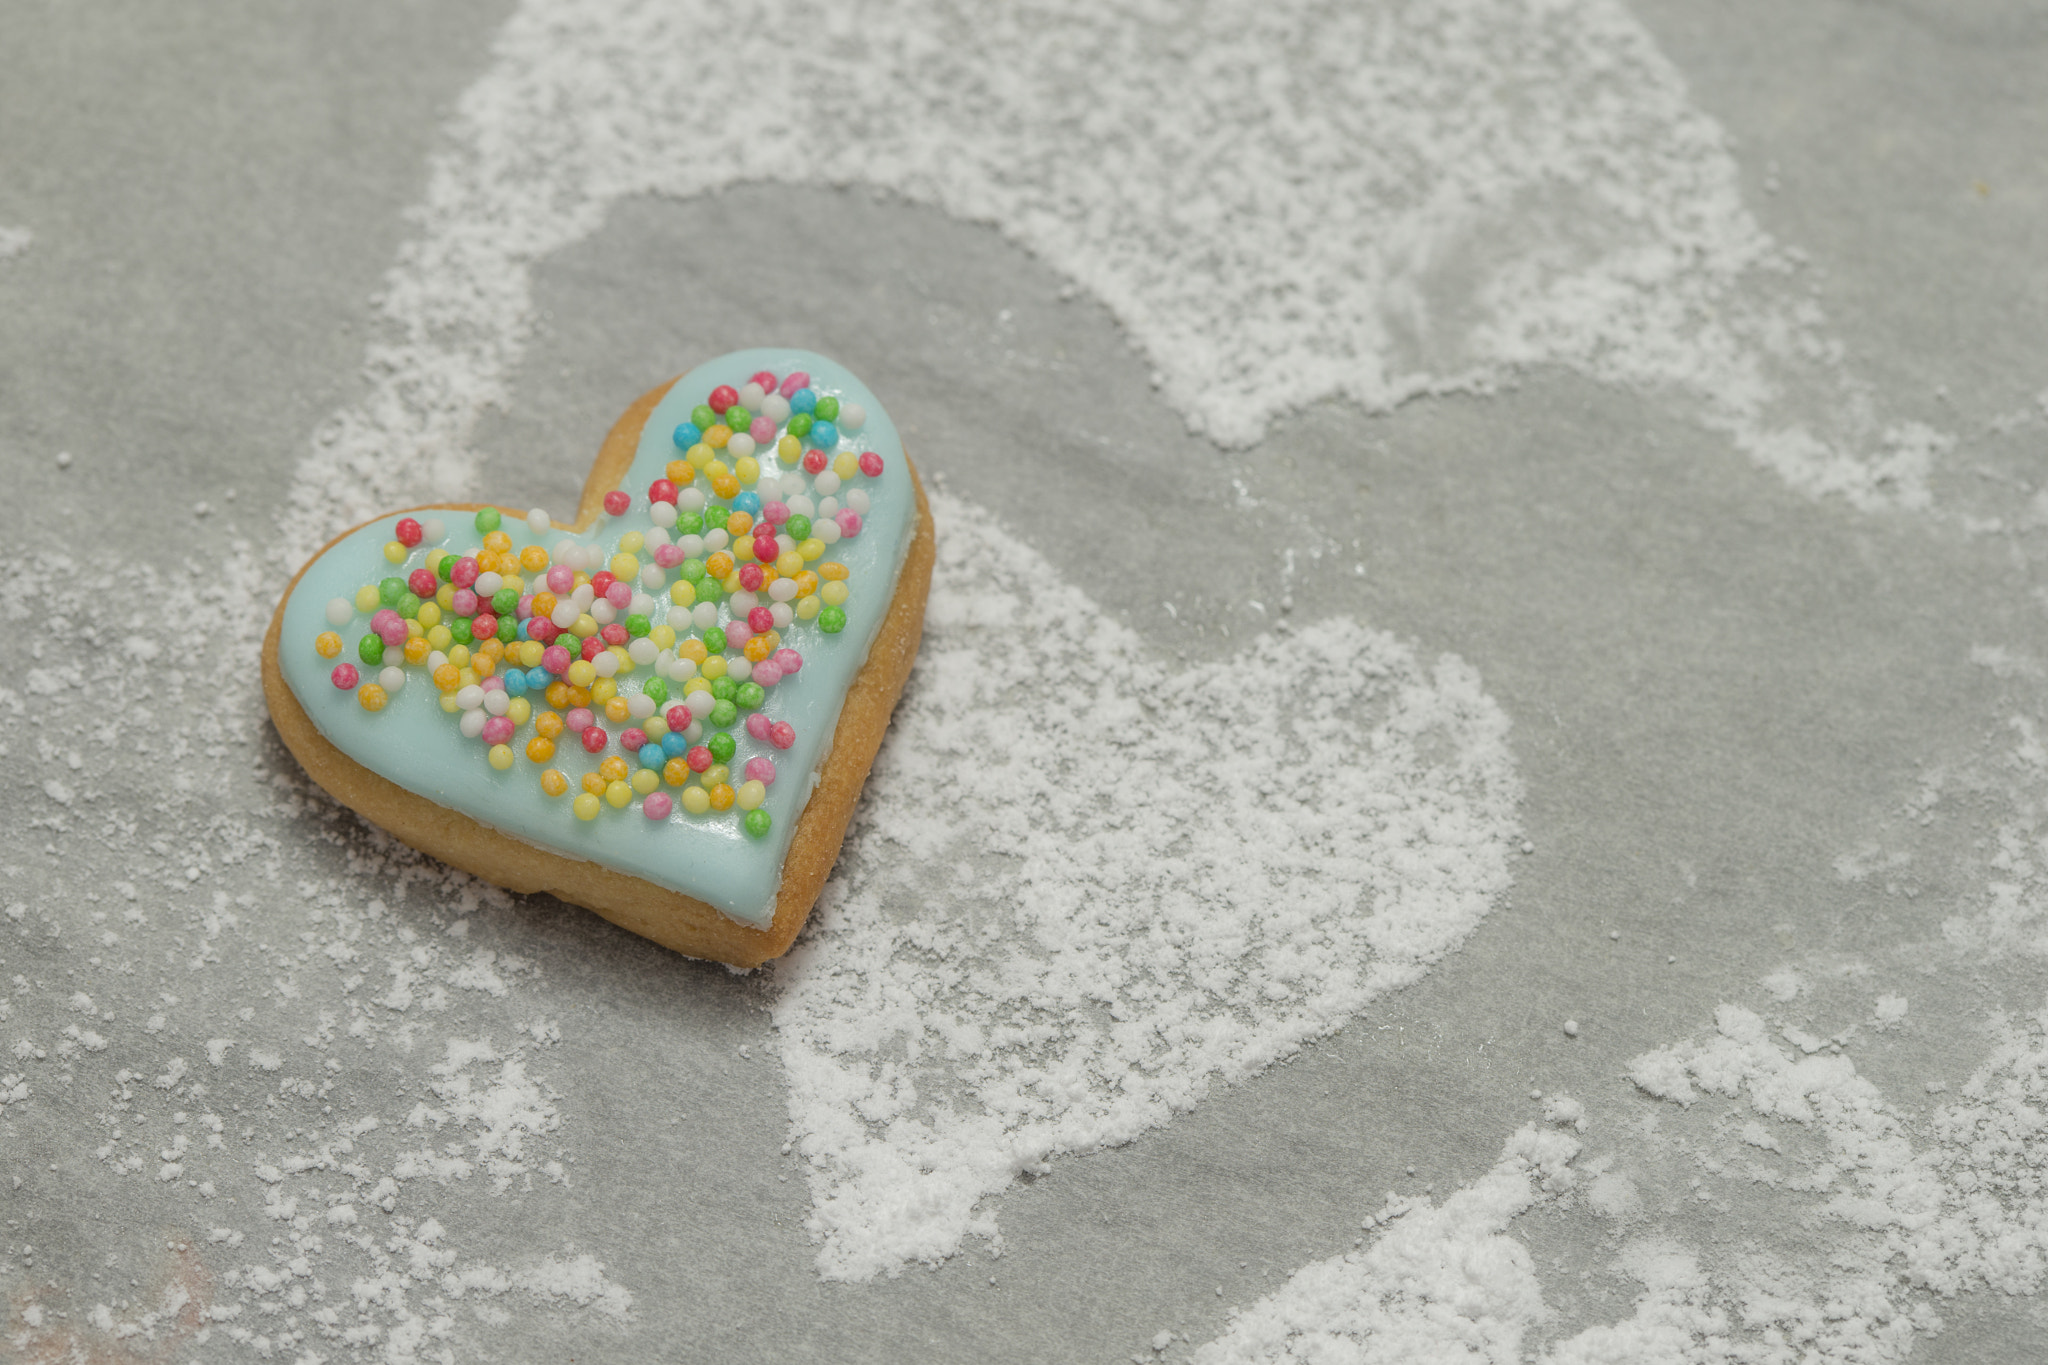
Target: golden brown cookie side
<point x="681" y="922"/>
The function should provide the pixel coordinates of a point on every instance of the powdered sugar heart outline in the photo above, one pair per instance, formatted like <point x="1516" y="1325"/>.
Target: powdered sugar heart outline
<point x="1129" y="914"/>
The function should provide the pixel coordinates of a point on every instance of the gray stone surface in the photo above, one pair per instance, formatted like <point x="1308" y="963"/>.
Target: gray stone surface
<point x="1717" y="685"/>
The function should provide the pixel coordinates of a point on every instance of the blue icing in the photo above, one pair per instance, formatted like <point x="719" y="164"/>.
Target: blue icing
<point x="414" y="743"/>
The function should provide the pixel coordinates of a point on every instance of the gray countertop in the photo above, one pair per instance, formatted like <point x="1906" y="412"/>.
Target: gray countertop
<point x="1771" y="704"/>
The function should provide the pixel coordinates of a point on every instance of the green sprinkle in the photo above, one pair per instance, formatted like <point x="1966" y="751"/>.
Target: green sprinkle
<point x="504" y="602"/>
<point x="693" y="569"/>
<point x="828" y="409"/>
<point x="710" y="589"/>
<point x="721" y="746"/>
<point x="714" y="640"/>
<point x="738" y="417"/>
<point x="637" y="626"/>
<point x="508" y="630"/>
<point x="750" y="695"/>
<point x="714" y="518"/>
<point x="445" y="567"/>
<point x="723" y="688"/>
<point x="798" y="526"/>
<point x="655" y="690"/>
<point x="409" y="607"/>
<point x="800" y="425"/>
<point x="690" y="524"/>
<point x="390" y="590"/>
<point x="832" y="620"/>
<point x="458" y="626"/>
<point x="724" y="713"/>
<point x="703" y="417"/>
<point x="371" y="649"/>
<point x="488" y="520"/>
<point x="757" y="822"/>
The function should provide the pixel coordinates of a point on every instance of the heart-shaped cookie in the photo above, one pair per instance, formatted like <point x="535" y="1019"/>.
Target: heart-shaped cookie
<point x="664" y="712"/>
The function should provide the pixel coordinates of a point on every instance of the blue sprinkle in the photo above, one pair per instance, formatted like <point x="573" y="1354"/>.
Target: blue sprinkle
<point x="674" y="745"/>
<point x="515" y="682"/>
<point x="824" y="436"/>
<point x="651" y="756"/>
<point x="749" y="502"/>
<point x="803" y="400"/>
<point x="687" y="435"/>
<point x="537" y="678"/>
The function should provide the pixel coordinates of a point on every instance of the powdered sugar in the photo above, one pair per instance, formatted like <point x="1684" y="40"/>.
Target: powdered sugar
<point x="1117" y="937"/>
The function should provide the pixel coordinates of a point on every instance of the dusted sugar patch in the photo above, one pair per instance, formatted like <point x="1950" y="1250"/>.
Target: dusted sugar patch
<point x="656" y="693"/>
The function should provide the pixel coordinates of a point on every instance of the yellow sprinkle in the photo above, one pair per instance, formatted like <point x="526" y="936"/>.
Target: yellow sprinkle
<point x="713" y="668"/>
<point x="530" y="652"/>
<point x="501" y="756"/>
<point x="645" y="780"/>
<point x="683" y="593"/>
<point x="790" y="564"/>
<point x="834" y="593"/>
<point x="695" y="799"/>
<point x="519" y="711"/>
<point x="789" y="450"/>
<point x="807" y="607"/>
<point x="554" y="782"/>
<point x="750" y="795"/>
<point x="625" y="566"/>
<point x="448" y="703"/>
<point x="581" y="673"/>
<point x="656" y="727"/>
<point x="714" y="777"/>
<point x="440" y="637"/>
<point x="747" y="468"/>
<point x="327" y="645"/>
<point x="718" y="435"/>
<point x="586" y="807"/>
<point x="394" y="552"/>
<point x="430" y="614"/>
<point x="585" y="627"/>
<point x="699" y="456"/>
<point x="444" y="596"/>
<point x="367" y="600"/>
<point x="663" y="637"/>
<point x="846" y="464"/>
<point x="631" y="542"/>
<point x="810" y="548"/>
<point x="603" y="690"/>
<point x="619" y="794"/>
<point x="372" y="696"/>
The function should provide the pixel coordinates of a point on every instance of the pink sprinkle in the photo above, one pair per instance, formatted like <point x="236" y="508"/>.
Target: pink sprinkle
<point x="761" y="769"/>
<point x="561" y="580"/>
<point x="788" y="660"/>
<point x="814" y="462"/>
<point x="765" y="379"/>
<point x="494" y="683"/>
<point x="633" y="738"/>
<point x="757" y="726"/>
<point x="849" y="521"/>
<point x="555" y="659"/>
<point x="766" y="673"/>
<point x="797" y="380"/>
<point x="871" y="464"/>
<point x="579" y="720"/>
<point x="668" y="556"/>
<point x="464" y="572"/>
<point x="762" y="430"/>
<point x="657" y="806"/>
<point x="345" y="676"/>
<point x="618" y="502"/>
<point x="679" y="717"/>
<point x="760" y="620"/>
<point x="463" y="603"/>
<point x="782" y="734"/>
<point x="619" y="594"/>
<point x="498" y="730"/>
<point x="776" y="513"/>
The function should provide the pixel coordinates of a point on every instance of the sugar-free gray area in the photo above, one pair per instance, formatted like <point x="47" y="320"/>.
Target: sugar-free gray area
<point x="1717" y="685"/>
